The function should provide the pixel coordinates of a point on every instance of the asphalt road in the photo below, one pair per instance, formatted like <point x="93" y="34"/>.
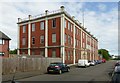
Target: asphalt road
<point x="99" y="72"/>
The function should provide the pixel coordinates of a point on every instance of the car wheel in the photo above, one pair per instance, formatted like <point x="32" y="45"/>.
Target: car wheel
<point x="68" y="70"/>
<point x="60" y="71"/>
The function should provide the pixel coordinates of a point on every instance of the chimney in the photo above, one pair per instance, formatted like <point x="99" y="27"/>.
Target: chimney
<point x="62" y="8"/>
<point x="46" y="12"/>
<point x="19" y="19"/>
<point x="73" y="17"/>
<point x="29" y="16"/>
<point x="80" y="24"/>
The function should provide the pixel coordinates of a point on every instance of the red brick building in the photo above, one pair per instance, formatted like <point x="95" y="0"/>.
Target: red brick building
<point x="4" y="45"/>
<point x="56" y="34"/>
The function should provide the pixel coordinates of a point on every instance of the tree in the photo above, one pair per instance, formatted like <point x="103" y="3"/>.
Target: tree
<point x="13" y="51"/>
<point x="105" y="53"/>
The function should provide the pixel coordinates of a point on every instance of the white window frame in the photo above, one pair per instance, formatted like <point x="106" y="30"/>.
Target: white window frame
<point x="33" y="52"/>
<point x="69" y="55"/>
<point x="65" y="37"/>
<point x="42" y="53"/>
<point x="69" y="39"/>
<point x="42" y="39"/>
<point x="23" y="41"/>
<point x="69" y="26"/>
<point x="65" y="23"/>
<point x="42" y="25"/>
<point x="53" y="38"/>
<point x="53" y="53"/>
<point x="83" y="35"/>
<point x="33" y="27"/>
<point x="24" y="28"/>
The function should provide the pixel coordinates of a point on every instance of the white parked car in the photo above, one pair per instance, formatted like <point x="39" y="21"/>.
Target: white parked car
<point x="92" y="63"/>
<point x="83" y="63"/>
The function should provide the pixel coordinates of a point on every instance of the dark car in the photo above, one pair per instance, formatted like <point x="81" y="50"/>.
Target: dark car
<point x="96" y="62"/>
<point x="58" y="67"/>
<point x="116" y="75"/>
<point x="99" y="61"/>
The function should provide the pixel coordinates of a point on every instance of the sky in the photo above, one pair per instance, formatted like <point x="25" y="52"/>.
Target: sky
<point x="100" y="18"/>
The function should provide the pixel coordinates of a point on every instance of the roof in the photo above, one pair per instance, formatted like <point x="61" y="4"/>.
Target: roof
<point x="3" y="36"/>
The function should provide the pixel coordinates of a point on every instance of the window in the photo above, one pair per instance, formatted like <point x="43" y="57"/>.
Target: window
<point x="75" y="42"/>
<point x="23" y="53"/>
<point x="69" y="40"/>
<point x="24" y="29"/>
<point x="33" y="40"/>
<point x="53" y="38"/>
<point x="42" y="53"/>
<point x="42" y="25"/>
<point x="69" y="55"/>
<point x="33" y="27"/>
<point x="69" y="26"/>
<point x="1" y="54"/>
<point x="42" y="39"/>
<point x="1" y="41"/>
<point x="65" y="23"/>
<point x="54" y="23"/>
<point x="83" y="45"/>
<point x="76" y="30"/>
<point x="65" y="55"/>
<point x="53" y="53"/>
<point x="65" y="38"/>
<point x="83" y="35"/>
<point x="23" y="41"/>
<point x="33" y="53"/>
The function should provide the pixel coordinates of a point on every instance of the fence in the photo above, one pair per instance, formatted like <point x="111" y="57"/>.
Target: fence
<point x="12" y="65"/>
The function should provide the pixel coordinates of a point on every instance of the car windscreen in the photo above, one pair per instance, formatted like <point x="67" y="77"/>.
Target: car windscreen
<point x="53" y="64"/>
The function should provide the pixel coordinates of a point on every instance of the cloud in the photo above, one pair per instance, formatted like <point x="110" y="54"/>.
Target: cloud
<point x="105" y="27"/>
<point x="102" y="7"/>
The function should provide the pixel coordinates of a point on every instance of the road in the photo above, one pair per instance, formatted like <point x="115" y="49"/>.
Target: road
<point x="92" y="73"/>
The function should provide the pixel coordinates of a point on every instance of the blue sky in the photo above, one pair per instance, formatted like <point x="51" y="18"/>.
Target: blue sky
<point x="101" y="18"/>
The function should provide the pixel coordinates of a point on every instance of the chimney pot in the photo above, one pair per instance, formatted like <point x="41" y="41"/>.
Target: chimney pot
<point x="19" y="20"/>
<point x="46" y="12"/>
<point x="29" y="16"/>
<point x="62" y="8"/>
